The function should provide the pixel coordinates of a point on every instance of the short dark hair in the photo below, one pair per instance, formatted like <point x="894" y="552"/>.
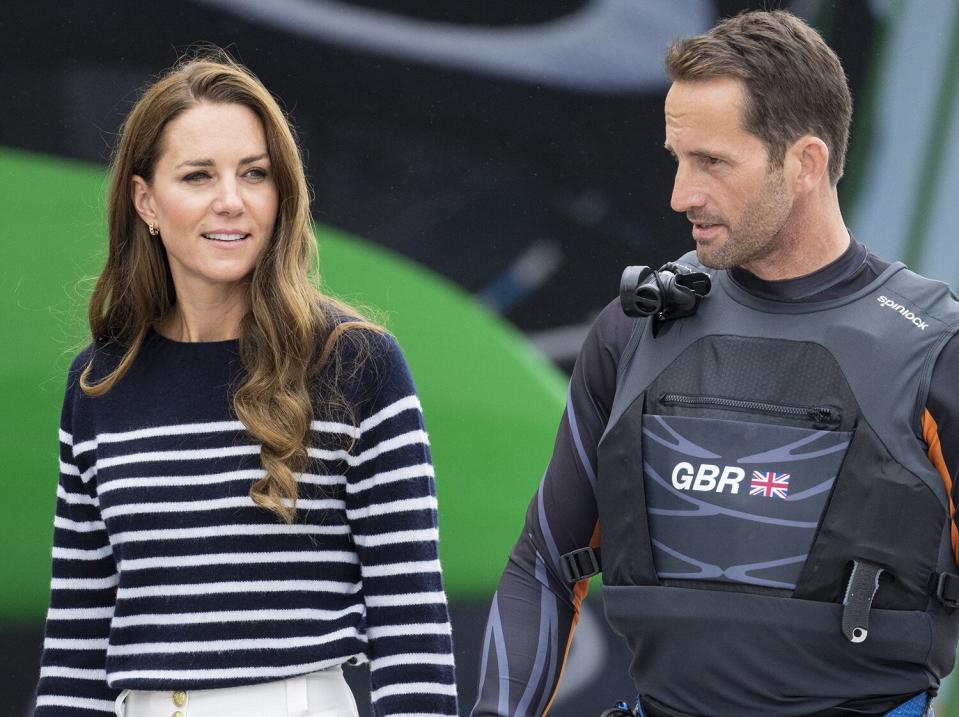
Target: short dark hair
<point x="795" y="84"/>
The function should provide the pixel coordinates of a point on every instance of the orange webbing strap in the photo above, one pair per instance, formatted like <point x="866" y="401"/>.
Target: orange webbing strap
<point x="930" y="432"/>
<point x="579" y="594"/>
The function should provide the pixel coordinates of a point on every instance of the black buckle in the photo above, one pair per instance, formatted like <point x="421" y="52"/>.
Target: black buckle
<point x="580" y="564"/>
<point x="947" y="590"/>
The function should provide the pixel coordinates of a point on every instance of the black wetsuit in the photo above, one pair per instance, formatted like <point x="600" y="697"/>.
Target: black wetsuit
<point x="521" y="665"/>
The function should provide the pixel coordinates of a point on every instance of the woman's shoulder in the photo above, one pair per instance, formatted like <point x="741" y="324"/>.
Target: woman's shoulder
<point x="366" y="362"/>
<point x="102" y="356"/>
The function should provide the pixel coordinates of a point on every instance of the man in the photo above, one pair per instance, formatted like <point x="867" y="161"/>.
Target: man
<point x="770" y="479"/>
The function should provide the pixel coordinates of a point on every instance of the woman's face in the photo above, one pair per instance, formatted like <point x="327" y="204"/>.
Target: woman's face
<point x="212" y="197"/>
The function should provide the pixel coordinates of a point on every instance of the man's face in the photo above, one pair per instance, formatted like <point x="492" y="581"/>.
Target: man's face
<point x="739" y="206"/>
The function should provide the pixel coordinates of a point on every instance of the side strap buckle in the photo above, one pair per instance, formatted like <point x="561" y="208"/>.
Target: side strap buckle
<point x="947" y="590"/>
<point x="580" y="564"/>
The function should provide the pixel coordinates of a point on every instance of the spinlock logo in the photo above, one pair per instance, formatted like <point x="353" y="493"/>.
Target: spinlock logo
<point x="708" y="478"/>
<point x="906" y="314"/>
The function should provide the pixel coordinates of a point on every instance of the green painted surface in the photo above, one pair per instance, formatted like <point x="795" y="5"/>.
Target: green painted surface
<point x="491" y="403"/>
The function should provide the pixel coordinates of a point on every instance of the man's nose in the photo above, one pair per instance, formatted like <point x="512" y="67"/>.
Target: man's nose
<point x="686" y="192"/>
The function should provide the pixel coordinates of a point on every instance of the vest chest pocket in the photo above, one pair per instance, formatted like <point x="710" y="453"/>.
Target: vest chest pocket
<point x="736" y="499"/>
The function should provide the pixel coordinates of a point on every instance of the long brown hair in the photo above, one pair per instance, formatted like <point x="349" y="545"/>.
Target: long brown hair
<point x="288" y="318"/>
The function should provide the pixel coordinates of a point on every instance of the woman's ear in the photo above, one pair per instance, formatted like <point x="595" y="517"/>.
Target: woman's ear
<point x="142" y="197"/>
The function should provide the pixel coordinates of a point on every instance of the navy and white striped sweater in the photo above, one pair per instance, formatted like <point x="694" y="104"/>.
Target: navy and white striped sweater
<point x="167" y="576"/>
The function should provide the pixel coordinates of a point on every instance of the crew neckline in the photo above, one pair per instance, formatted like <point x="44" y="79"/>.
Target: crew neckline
<point x="840" y="272"/>
<point x="157" y="336"/>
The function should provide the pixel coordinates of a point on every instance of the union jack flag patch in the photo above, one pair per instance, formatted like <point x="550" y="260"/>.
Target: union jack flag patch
<point x="770" y="484"/>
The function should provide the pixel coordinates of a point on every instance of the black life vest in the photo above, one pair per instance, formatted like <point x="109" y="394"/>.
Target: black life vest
<point x="773" y="533"/>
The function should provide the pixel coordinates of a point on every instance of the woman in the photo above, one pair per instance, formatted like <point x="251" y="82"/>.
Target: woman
<point x="246" y="497"/>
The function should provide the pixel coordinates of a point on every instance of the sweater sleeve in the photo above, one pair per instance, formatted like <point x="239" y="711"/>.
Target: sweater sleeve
<point x="83" y="584"/>
<point x="392" y="511"/>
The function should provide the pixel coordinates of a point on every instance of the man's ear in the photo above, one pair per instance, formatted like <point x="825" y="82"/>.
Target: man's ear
<point x="809" y="158"/>
<point x="142" y="197"/>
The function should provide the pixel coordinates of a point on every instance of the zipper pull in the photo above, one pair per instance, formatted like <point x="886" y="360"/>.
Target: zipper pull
<point x="821" y="415"/>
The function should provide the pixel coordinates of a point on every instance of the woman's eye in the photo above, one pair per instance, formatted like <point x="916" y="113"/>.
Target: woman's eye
<point x="256" y="173"/>
<point x="196" y="177"/>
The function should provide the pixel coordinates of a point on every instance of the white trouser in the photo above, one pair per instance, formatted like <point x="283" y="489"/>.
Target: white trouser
<point x="319" y="694"/>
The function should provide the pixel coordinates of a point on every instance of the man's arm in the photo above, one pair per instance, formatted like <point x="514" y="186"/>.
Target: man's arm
<point x="534" y="610"/>
<point x="941" y="427"/>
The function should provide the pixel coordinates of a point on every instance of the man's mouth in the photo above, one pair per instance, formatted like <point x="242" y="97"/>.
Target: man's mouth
<point x="704" y="231"/>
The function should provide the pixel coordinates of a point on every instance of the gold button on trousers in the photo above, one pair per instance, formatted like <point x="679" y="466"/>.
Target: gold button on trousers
<point x="320" y="694"/>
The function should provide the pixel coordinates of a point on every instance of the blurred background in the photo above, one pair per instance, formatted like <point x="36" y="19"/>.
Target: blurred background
<point x="482" y="173"/>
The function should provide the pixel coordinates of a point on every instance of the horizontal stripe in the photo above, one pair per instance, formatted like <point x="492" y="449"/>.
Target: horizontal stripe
<point x="187" y="429"/>
<point x="56" y="643"/>
<point x="177" y="481"/>
<point x="76" y="498"/>
<point x="87" y="526"/>
<point x="390" y="444"/>
<point x="397" y="537"/>
<point x="423" y="470"/>
<point x="401" y="599"/>
<point x="133" y="536"/>
<point x="188" y="561"/>
<point x="321" y="479"/>
<point x="83" y="447"/>
<point x="257" y="672"/>
<point x="72" y="673"/>
<point x="80" y="613"/>
<point x="412" y="658"/>
<point x="419" y="566"/>
<point x="259" y="643"/>
<point x="193" y="454"/>
<point x="393" y="506"/>
<point x="68" y="469"/>
<point x="76" y="554"/>
<point x="413" y="688"/>
<point x="199" y="618"/>
<point x="80" y="703"/>
<point x="417" y="628"/>
<point x="83" y="583"/>
<point x="240" y="586"/>
<point x="333" y="427"/>
<point x="247" y="476"/>
<point x="394" y="409"/>
<point x="193" y="506"/>
<point x="175" y="429"/>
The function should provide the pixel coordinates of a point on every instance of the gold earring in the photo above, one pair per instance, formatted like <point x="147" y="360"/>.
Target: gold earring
<point x="154" y="230"/>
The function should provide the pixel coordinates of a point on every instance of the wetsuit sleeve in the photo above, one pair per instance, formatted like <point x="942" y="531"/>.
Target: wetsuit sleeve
<point x="82" y="588"/>
<point x="941" y="427"/>
<point x="534" y="611"/>
<point x="392" y="510"/>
